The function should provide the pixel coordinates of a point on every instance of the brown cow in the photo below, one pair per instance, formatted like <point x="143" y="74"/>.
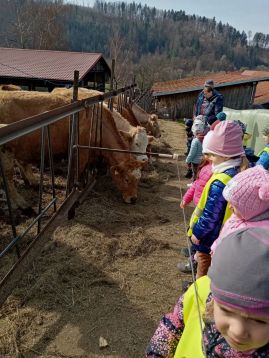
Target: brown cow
<point x="135" y="135"/>
<point x="10" y="88"/>
<point x="136" y="116"/>
<point x="125" y="169"/>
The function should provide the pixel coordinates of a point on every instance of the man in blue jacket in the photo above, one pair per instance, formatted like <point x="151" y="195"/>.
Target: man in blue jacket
<point x="209" y="102"/>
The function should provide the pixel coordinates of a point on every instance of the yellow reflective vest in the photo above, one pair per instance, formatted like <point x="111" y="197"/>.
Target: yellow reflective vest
<point x="266" y="149"/>
<point x="190" y="344"/>
<point x="224" y="178"/>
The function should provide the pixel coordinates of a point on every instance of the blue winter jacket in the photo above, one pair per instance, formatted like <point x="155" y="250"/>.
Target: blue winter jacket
<point x="264" y="159"/>
<point x="208" y="226"/>
<point x="214" y="106"/>
<point x="196" y="152"/>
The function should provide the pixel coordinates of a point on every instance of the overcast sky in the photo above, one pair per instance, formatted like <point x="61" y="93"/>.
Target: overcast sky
<point x="242" y="14"/>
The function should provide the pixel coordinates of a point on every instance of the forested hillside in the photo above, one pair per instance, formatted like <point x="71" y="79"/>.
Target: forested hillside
<point x="153" y="44"/>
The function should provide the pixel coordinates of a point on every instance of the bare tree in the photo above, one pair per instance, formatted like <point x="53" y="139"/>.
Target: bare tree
<point x="120" y="51"/>
<point x="37" y="24"/>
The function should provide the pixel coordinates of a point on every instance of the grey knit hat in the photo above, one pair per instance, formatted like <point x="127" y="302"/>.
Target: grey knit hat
<point x="209" y="83"/>
<point x="239" y="271"/>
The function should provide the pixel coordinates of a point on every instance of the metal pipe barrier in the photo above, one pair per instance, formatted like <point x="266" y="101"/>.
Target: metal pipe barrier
<point x="42" y="122"/>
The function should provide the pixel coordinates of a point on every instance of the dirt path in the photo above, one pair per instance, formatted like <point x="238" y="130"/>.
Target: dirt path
<point x="110" y="272"/>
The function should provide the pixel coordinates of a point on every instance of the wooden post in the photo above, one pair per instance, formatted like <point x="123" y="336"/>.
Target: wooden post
<point x="73" y="162"/>
<point x="112" y="74"/>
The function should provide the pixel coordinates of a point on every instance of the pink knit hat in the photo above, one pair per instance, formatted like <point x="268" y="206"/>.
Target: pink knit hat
<point x="226" y="140"/>
<point x="248" y="192"/>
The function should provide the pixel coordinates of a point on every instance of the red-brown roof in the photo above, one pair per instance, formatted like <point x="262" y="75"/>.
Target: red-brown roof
<point x="262" y="93"/>
<point x="197" y="83"/>
<point x="262" y="90"/>
<point x="43" y="64"/>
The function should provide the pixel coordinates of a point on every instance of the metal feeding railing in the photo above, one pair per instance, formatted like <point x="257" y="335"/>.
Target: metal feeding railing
<point x="145" y="100"/>
<point x="26" y="252"/>
<point x="75" y="189"/>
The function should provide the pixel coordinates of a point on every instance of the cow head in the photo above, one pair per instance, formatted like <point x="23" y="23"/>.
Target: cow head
<point x="126" y="176"/>
<point x="138" y="141"/>
<point x="154" y="126"/>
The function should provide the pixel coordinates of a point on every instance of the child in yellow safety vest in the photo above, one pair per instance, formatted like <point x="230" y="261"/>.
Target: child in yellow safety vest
<point x="225" y="150"/>
<point x="264" y="154"/>
<point x="231" y="318"/>
<point x="248" y="196"/>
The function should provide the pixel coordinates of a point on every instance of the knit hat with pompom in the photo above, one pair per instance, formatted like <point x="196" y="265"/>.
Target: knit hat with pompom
<point x="248" y="192"/>
<point x="226" y="140"/>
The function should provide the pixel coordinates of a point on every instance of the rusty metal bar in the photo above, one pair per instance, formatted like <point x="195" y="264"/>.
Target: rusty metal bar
<point x="19" y="237"/>
<point x="76" y="120"/>
<point x="70" y="159"/>
<point x="6" y="189"/>
<point x="30" y="124"/>
<point x="41" y="179"/>
<point x="51" y="168"/>
<point x="158" y="155"/>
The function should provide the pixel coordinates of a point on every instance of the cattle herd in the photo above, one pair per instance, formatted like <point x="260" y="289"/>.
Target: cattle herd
<point x="132" y="130"/>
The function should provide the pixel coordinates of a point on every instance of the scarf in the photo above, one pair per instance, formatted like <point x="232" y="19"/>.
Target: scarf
<point x="231" y="163"/>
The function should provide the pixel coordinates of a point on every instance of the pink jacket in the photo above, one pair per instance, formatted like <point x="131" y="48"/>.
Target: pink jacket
<point x="195" y="191"/>
<point x="235" y="223"/>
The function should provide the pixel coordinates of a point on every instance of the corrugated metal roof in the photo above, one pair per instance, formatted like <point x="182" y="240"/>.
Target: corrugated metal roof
<point x="43" y="64"/>
<point x="197" y="83"/>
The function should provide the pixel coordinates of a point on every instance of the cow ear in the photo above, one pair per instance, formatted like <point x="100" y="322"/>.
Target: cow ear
<point x="150" y="138"/>
<point x="126" y="135"/>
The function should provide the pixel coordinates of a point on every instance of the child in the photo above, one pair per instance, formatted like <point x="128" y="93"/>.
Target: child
<point x="249" y="152"/>
<point x="264" y="154"/>
<point x="195" y="154"/>
<point x="221" y="116"/>
<point x="225" y="149"/>
<point x="195" y="191"/>
<point x="193" y="194"/>
<point x="233" y="301"/>
<point x="248" y="196"/>
<point x="188" y="125"/>
<point x="203" y="175"/>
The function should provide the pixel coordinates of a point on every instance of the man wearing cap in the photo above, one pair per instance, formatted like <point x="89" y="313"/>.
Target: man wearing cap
<point x="209" y="102"/>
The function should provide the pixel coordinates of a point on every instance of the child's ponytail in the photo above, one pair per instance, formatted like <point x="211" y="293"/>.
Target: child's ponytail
<point x="244" y="163"/>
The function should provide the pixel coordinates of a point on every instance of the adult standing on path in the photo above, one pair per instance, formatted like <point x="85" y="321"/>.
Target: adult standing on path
<point x="209" y="102"/>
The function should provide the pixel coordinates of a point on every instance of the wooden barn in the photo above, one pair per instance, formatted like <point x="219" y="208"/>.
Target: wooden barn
<point x="176" y="99"/>
<point x="44" y="70"/>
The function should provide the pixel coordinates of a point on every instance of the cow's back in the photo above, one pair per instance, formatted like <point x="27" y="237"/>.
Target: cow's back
<point x="18" y="105"/>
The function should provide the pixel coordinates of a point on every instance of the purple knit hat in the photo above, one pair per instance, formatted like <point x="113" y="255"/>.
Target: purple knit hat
<point x="238" y="272"/>
<point x="226" y="140"/>
<point x="248" y="192"/>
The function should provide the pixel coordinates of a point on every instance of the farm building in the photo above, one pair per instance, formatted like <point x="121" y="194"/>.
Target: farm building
<point x="241" y="90"/>
<point x="44" y="70"/>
